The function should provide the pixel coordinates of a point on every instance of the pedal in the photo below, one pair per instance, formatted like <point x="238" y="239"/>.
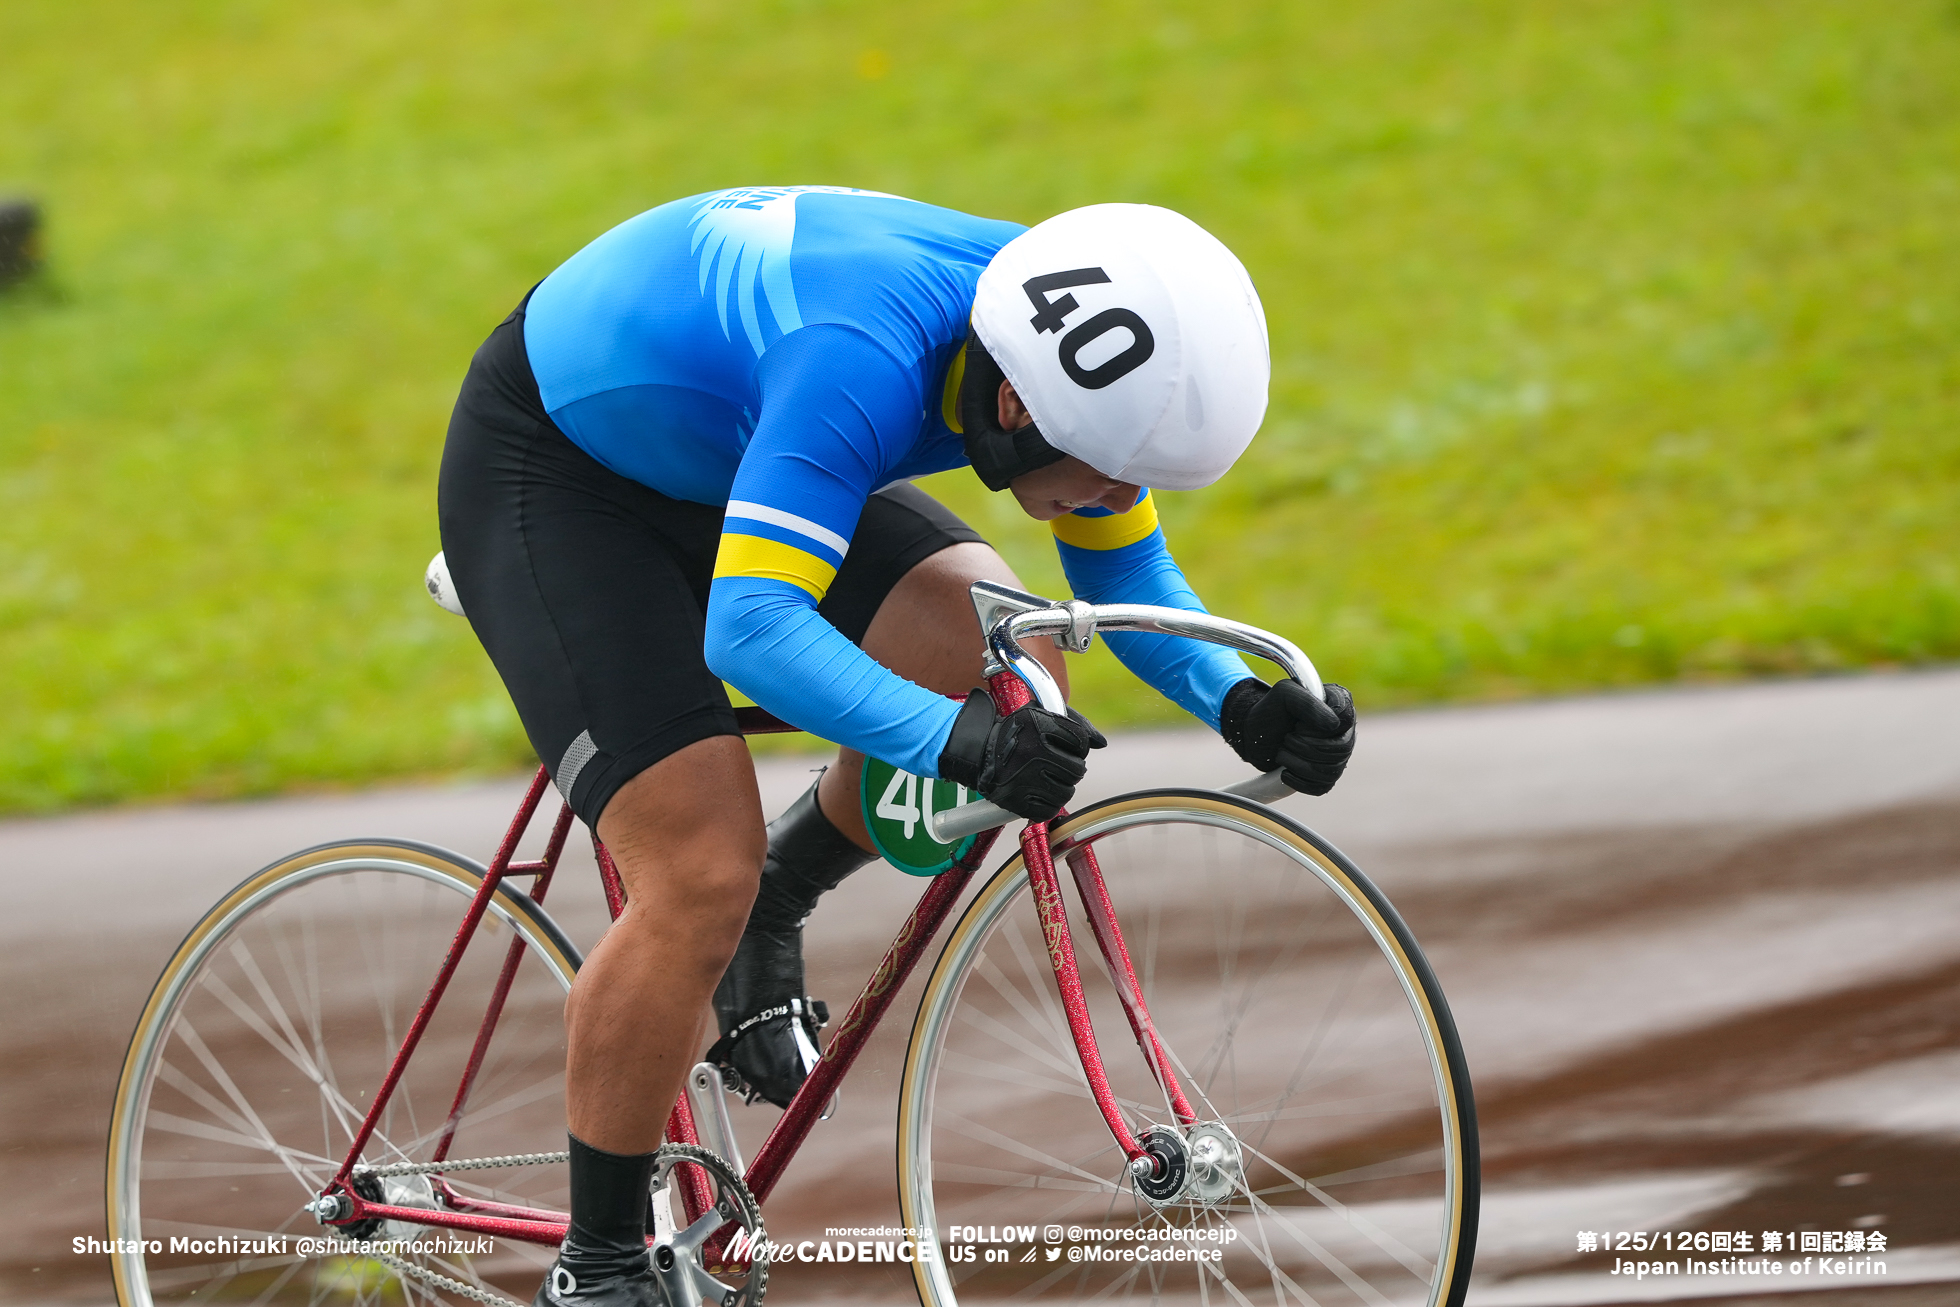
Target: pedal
<point x="807" y="1017"/>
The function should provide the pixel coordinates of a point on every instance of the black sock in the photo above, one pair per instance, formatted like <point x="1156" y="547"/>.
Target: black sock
<point x="609" y="1211"/>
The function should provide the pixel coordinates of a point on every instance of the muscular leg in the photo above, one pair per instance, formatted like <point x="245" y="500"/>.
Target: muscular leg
<point x="926" y="632"/>
<point x="687" y="836"/>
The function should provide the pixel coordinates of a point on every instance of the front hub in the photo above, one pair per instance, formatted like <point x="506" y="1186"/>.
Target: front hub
<point x="1217" y="1163"/>
<point x="1205" y="1166"/>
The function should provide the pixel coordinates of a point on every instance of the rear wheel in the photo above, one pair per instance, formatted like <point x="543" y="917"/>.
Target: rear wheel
<point x="1334" y="1160"/>
<point x="252" y="1066"/>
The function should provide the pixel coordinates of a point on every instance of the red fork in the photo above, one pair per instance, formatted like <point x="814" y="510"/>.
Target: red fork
<point x="1010" y="694"/>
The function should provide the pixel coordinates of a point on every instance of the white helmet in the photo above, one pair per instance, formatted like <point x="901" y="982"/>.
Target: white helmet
<point x="1135" y="339"/>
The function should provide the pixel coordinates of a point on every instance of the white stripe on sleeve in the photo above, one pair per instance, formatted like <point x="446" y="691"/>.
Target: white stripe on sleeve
<point x="803" y="526"/>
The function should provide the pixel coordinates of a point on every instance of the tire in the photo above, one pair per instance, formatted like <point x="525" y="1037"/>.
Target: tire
<point x="255" y="1057"/>
<point x="1297" y="1010"/>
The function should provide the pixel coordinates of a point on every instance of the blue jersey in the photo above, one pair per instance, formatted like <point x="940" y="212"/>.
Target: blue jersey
<point x="786" y="352"/>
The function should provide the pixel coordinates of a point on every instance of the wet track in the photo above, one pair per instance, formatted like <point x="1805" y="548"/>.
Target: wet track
<point x="1704" y="949"/>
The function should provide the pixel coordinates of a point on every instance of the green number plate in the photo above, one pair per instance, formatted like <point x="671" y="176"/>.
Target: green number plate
<point x="898" y="807"/>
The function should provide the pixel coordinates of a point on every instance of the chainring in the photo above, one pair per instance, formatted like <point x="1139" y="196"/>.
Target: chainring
<point x="690" y="1260"/>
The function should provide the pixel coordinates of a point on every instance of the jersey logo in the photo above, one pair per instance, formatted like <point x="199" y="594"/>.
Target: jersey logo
<point x="742" y="239"/>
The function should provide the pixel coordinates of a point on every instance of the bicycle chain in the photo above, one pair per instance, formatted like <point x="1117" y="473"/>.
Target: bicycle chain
<point x="759" y="1272"/>
<point x="423" y="1273"/>
<point x="441" y="1281"/>
<point x="462" y="1164"/>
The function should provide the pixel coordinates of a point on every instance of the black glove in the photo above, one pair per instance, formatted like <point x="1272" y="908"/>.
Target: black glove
<point x="1284" y="726"/>
<point x="1028" y="761"/>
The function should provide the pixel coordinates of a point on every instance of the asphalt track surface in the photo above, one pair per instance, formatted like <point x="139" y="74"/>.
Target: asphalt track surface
<point x="1703" y="947"/>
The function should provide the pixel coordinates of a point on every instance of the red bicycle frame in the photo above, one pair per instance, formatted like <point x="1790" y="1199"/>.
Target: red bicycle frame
<point x="536" y="1225"/>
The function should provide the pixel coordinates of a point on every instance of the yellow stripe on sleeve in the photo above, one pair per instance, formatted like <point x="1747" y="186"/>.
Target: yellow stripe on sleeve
<point x="771" y="560"/>
<point x="949" y="399"/>
<point x="1108" y="532"/>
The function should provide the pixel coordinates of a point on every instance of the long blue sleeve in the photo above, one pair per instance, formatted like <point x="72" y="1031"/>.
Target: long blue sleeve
<point x="1114" y="558"/>
<point x="839" y="413"/>
<point x="780" y="652"/>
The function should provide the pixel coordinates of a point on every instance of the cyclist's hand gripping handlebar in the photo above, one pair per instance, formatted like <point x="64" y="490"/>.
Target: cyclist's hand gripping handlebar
<point x="1283" y="726"/>
<point x="1027" y="762"/>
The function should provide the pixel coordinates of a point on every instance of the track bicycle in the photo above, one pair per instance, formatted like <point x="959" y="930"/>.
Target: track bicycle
<point x="303" y="1116"/>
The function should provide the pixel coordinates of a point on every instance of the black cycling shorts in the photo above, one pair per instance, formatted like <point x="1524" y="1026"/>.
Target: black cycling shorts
<point x="589" y="590"/>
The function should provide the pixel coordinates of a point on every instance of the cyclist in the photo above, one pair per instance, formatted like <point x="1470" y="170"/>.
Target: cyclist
<point x="686" y="458"/>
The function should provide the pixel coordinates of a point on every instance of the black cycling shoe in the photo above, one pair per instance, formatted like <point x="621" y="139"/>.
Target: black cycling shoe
<point x="564" y="1287"/>
<point x="773" y="1052"/>
<point x="768" y="1024"/>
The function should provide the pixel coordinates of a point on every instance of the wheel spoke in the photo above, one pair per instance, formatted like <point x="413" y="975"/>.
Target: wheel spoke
<point x="252" y="1021"/>
<point x="980" y="1068"/>
<point x="993" y="1026"/>
<point x="1045" y="1010"/>
<point x="1232" y="1290"/>
<point x="304" y="981"/>
<point x="1320" y="1253"/>
<point x="237" y="1126"/>
<point x="1416" y="1263"/>
<point x="217" y="986"/>
<point x="290" y="1043"/>
<point x="254" y="1133"/>
<point x="1052" y="1165"/>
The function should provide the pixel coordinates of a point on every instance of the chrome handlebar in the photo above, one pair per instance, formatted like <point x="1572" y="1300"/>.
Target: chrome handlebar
<point x="1011" y="616"/>
<point x="1075" y="623"/>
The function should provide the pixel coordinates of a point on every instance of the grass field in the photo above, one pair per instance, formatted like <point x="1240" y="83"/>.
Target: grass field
<point x="1613" y="342"/>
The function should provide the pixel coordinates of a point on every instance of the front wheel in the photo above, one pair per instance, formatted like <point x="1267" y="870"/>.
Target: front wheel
<point x="257" y="1056"/>
<point x="1334" y="1160"/>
